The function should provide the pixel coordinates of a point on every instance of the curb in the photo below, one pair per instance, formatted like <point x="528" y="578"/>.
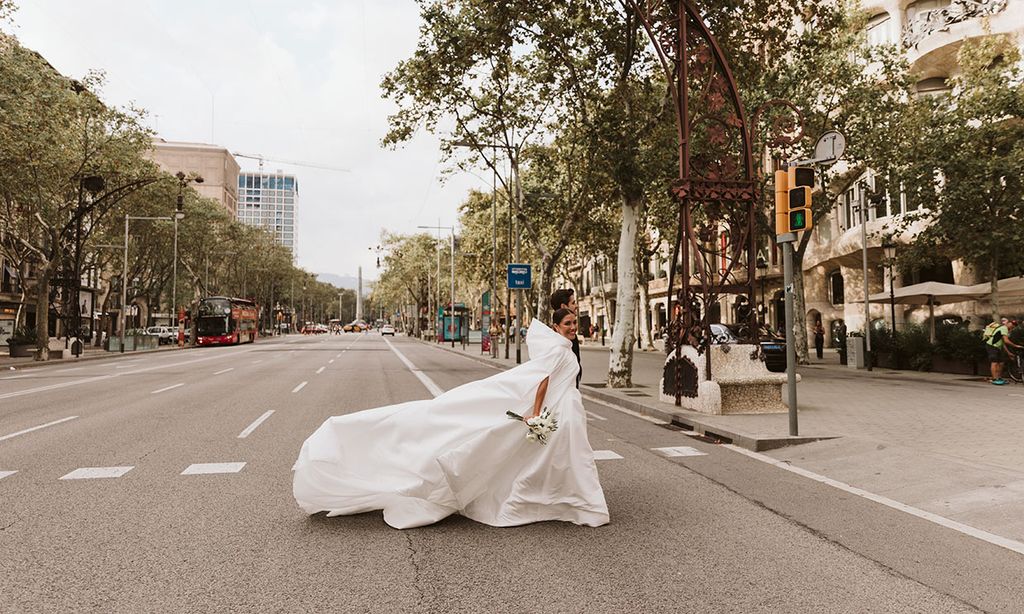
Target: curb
<point x="687" y="421"/>
<point x="32" y="364"/>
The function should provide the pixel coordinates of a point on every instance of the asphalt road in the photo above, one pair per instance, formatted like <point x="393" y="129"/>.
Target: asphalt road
<point x="716" y="531"/>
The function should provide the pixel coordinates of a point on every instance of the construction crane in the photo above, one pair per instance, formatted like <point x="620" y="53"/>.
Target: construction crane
<point x="261" y="158"/>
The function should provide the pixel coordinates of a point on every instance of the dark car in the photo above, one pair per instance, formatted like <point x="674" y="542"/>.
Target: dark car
<point x="772" y="345"/>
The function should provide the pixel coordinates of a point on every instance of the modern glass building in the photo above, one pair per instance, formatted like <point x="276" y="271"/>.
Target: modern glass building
<point x="268" y="201"/>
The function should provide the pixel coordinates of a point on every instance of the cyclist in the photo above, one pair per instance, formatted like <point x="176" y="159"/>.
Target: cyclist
<point x="1010" y="347"/>
<point x="996" y="344"/>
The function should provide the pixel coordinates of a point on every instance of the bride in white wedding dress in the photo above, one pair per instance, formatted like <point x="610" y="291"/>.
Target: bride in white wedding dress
<point x="459" y="453"/>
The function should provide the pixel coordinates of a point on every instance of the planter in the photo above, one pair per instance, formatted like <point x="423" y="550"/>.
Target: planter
<point x="885" y="360"/>
<point x="132" y="343"/>
<point x="941" y="364"/>
<point x="22" y="350"/>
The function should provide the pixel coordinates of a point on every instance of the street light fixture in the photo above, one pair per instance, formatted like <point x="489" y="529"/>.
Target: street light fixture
<point x="762" y="269"/>
<point x="179" y="214"/>
<point x="889" y="249"/>
<point x="124" y="276"/>
<point x="452" y="229"/>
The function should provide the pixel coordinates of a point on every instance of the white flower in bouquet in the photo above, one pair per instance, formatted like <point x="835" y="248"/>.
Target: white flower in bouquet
<point x="539" y="428"/>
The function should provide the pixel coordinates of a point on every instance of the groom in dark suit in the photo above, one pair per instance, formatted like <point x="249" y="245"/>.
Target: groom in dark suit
<point x="566" y="298"/>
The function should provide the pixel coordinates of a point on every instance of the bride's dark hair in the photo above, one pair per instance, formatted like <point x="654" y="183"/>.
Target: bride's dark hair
<point x="559" y="315"/>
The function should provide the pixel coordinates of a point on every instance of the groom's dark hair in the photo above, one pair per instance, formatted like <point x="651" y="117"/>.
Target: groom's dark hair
<point x="560" y="297"/>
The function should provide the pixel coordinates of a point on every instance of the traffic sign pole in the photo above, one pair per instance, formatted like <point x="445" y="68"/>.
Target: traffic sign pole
<point x="787" y="241"/>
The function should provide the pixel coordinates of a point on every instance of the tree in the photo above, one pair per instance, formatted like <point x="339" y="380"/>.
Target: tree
<point x="970" y="171"/>
<point x="53" y="133"/>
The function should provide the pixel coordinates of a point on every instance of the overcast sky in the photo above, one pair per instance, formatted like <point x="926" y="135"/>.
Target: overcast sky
<point x="293" y="80"/>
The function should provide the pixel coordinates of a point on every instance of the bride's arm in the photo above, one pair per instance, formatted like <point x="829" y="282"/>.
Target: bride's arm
<point x="538" y="402"/>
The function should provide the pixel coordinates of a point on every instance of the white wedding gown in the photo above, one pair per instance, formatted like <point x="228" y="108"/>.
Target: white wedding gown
<point x="459" y="453"/>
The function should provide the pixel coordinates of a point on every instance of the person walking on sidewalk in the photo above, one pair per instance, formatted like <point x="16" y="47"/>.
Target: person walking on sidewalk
<point x="565" y="298"/>
<point x="819" y="339"/>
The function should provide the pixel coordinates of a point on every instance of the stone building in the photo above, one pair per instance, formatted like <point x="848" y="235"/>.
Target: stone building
<point x="214" y="163"/>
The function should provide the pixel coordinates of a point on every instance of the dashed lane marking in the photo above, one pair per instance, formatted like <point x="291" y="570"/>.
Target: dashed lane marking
<point x="207" y="468"/>
<point x="224" y="370"/>
<point x="605" y="455"/>
<point x="679" y="451"/>
<point x="36" y="428"/>
<point x="320" y="370"/>
<point x="252" y="427"/>
<point x="92" y="473"/>
<point x="300" y="386"/>
<point x="165" y="389"/>
<point x="4" y="474"/>
<point x="997" y="540"/>
<point x="256" y="362"/>
<point x="426" y="381"/>
<point x="330" y="362"/>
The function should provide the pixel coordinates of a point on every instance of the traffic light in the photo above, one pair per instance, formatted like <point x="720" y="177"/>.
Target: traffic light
<point x="781" y="202"/>
<point x="799" y="184"/>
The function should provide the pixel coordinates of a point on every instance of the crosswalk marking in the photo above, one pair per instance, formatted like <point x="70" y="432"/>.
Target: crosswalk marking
<point x="605" y="455"/>
<point x="92" y="473"/>
<point x="206" y="468"/>
<point x="4" y="474"/>
<point x="680" y="451"/>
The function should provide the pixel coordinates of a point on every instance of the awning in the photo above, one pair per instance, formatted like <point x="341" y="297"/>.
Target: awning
<point x="929" y="293"/>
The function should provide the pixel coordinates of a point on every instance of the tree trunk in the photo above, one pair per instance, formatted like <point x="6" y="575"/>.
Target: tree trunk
<point x="994" y="286"/>
<point x="43" y="313"/>
<point x="620" y="363"/>
<point x="799" y="303"/>
<point x="645" y="313"/>
<point x="607" y="306"/>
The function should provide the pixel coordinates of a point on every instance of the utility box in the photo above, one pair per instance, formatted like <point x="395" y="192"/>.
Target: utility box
<point x="855" y="354"/>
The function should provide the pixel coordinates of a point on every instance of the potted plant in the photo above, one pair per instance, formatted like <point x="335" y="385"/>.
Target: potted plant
<point x="22" y="343"/>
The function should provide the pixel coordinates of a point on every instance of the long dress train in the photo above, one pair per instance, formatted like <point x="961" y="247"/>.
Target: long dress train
<point x="458" y="453"/>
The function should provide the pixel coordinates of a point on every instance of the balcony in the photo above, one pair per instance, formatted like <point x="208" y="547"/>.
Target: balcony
<point x="927" y="22"/>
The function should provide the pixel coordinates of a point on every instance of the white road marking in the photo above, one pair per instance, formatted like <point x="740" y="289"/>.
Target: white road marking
<point x="330" y="362"/>
<point x="4" y="474"/>
<point x="300" y="386"/>
<point x="256" y="362"/>
<point x="320" y="370"/>
<point x="429" y="383"/>
<point x="205" y="468"/>
<point x="36" y="428"/>
<point x="172" y="387"/>
<point x="92" y="473"/>
<point x="628" y="412"/>
<point x="605" y="455"/>
<point x="97" y="378"/>
<point x="997" y="540"/>
<point x="339" y="355"/>
<point x="680" y="451"/>
<point x="16" y="376"/>
<point x="252" y="427"/>
<point x="595" y="416"/>
<point x="224" y="370"/>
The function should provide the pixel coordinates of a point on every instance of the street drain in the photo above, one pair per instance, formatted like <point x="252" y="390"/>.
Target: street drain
<point x="672" y="426"/>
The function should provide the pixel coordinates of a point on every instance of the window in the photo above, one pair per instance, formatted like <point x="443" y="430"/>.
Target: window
<point x="836" y="289"/>
<point x="921" y="8"/>
<point x="932" y="86"/>
<point x="879" y="29"/>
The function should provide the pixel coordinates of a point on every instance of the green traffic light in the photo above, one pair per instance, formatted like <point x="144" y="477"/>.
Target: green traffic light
<point x="797" y="220"/>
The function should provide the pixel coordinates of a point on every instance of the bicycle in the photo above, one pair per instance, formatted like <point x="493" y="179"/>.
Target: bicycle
<point x="1014" y="367"/>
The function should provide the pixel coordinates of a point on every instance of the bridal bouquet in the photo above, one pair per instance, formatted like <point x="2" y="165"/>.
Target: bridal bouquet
<point x="540" y="427"/>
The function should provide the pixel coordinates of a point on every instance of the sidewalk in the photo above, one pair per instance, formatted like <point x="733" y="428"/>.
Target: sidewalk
<point x="88" y="353"/>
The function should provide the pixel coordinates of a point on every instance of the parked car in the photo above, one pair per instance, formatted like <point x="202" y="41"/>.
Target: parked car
<point x="166" y="334"/>
<point x="387" y="329"/>
<point x="772" y="345"/>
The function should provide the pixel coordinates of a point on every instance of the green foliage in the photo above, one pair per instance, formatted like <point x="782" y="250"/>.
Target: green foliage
<point x="958" y="342"/>
<point x="23" y="336"/>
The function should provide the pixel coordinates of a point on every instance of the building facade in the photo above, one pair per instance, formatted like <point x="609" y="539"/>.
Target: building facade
<point x="929" y="33"/>
<point x="269" y="201"/>
<point x="214" y="163"/>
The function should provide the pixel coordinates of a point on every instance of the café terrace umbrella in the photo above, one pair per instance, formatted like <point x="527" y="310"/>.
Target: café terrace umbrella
<point x="1011" y="288"/>
<point x="930" y="293"/>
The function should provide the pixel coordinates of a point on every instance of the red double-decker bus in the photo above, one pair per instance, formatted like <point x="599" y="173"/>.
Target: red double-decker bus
<point x="226" y="321"/>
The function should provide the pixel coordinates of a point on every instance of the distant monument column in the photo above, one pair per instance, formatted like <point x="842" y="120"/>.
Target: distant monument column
<point x="359" y="296"/>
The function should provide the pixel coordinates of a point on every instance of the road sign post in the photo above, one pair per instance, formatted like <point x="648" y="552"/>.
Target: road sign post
<point x="520" y="277"/>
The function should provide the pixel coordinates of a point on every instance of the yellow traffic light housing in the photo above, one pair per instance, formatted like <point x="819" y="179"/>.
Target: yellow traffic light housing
<point x="781" y="202"/>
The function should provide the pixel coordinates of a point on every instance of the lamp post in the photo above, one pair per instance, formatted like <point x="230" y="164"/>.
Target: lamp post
<point x="179" y="214"/>
<point x="452" y="230"/>
<point x="124" y="276"/>
<point x="93" y="184"/>
<point x="889" y="248"/>
<point x="762" y="269"/>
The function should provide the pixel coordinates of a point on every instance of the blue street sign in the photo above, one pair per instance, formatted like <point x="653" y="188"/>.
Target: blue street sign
<point x="520" y="276"/>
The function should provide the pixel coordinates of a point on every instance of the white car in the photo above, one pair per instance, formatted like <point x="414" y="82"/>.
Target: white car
<point x="387" y="329"/>
<point x="166" y="334"/>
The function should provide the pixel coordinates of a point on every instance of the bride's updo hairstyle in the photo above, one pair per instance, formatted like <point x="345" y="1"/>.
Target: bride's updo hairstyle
<point x="559" y="315"/>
